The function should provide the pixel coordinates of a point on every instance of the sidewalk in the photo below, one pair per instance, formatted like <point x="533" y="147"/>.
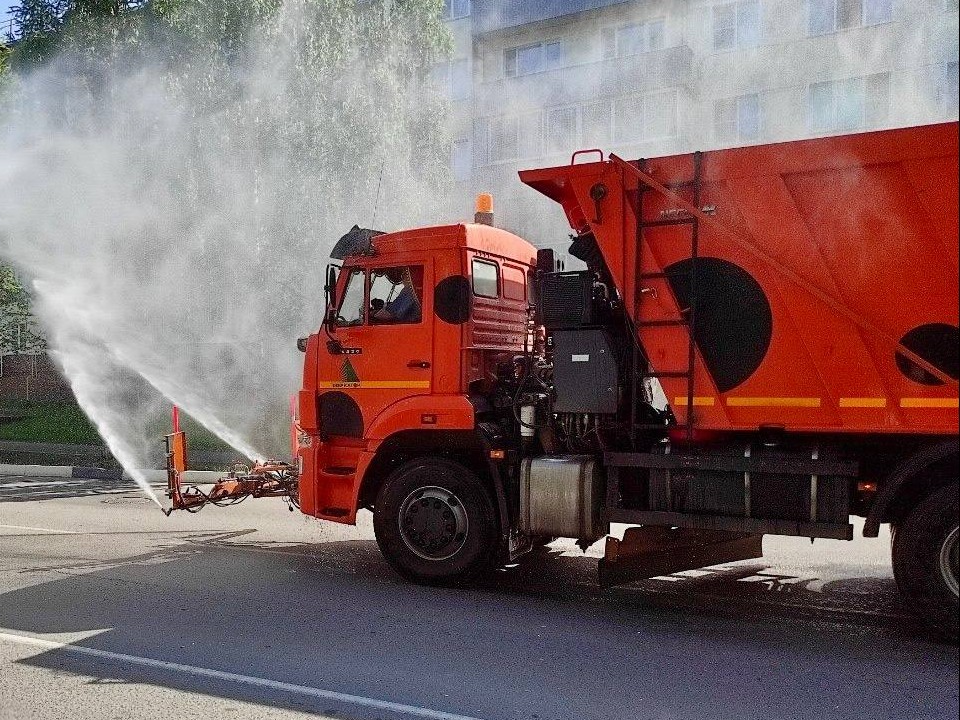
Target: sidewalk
<point x="94" y="462"/>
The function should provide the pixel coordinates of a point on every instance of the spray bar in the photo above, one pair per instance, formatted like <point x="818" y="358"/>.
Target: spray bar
<point x="268" y="479"/>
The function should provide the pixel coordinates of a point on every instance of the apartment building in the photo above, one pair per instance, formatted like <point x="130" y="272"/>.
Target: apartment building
<point x="531" y="81"/>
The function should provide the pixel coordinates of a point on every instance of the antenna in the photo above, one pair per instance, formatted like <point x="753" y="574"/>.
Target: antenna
<point x="376" y="205"/>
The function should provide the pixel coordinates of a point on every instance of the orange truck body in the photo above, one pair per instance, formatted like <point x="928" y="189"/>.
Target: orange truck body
<point x="797" y="304"/>
<point x="853" y="242"/>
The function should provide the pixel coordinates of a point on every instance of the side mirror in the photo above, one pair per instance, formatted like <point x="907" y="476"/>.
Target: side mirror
<point x="330" y="292"/>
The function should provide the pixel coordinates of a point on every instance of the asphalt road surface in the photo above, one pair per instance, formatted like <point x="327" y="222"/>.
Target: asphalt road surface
<point x="110" y="610"/>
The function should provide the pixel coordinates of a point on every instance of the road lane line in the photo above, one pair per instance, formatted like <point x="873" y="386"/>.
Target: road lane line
<point x="40" y="529"/>
<point x="358" y="700"/>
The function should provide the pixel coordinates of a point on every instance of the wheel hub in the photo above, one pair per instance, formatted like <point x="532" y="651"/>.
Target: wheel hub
<point x="433" y="523"/>
<point x="949" y="561"/>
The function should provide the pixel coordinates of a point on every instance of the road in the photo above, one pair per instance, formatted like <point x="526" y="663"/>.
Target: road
<point x="110" y="610"/>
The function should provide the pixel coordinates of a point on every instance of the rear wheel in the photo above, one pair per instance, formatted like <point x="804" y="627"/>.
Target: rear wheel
<point x="925" y="559"/>
<point x="434" y="521"/>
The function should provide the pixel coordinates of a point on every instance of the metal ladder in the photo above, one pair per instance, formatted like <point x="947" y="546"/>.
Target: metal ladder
<point x="688" y="315"/>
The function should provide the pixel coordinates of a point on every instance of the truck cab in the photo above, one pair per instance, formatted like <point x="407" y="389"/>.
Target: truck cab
<point x="419" y="323"/>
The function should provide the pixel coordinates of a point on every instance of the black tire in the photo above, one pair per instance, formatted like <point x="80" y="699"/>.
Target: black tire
<point x="923" y="563"/>
<point x="434" y="522"/>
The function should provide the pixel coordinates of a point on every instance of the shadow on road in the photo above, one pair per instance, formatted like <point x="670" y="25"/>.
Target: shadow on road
<point x="535" y="641"/>
<point x="18" y="489"/>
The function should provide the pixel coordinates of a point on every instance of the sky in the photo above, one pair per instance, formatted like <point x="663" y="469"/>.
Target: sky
<point x="5" y="6"/>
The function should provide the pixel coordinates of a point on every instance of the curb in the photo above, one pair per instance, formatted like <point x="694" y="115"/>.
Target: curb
<point x="154" y="477"/>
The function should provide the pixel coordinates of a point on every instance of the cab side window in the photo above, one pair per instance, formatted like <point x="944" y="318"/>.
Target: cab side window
<point x="396" y="295"/>
<point x="350" y="312"/>
<point x="486" y="279"/>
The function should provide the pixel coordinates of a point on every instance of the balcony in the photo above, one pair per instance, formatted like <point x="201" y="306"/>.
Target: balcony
<point x="495" y="15"/>
<point x="670" y="67"/>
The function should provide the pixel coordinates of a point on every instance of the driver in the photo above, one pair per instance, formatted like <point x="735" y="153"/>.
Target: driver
<point x="405" y="307"/>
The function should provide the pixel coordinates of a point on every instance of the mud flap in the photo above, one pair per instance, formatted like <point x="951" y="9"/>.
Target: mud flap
<point x="647" y="552"/>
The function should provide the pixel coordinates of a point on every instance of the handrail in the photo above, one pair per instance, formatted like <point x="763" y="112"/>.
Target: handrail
<point x="592" y="151"/>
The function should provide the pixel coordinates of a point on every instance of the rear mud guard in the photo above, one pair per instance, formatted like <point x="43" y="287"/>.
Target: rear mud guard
<point x="647" y="552"/>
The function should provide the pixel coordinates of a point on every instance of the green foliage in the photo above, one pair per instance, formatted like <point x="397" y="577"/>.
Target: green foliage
<point x="18" y="331"/>
<point x="48" y="423"/>
<point x="65" y="422"/>
<point x="353" y="94"/>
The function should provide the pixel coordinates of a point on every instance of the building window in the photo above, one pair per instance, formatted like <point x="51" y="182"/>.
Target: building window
<point x="530" y="59"/>
<point x="949" y="92"/>
<point x="633" y="39"/>
<point x="461" y="159"/>
<point x="737" y="119"/>
<point x="561" y="133"/>
<point x="454" y="77"/>
<point x="848" y="104"/>
<point x="660" y="115"/>
<point x="643" y="118"/>
<point x="504" y="133"/>
<point x="516" y="136"/>
<point x="597" y="120"/>
<point x="736" y="25"/>
<point x="460" y="80"/>
<point x="827" y="16"/>
<point x="456" y="9"/>
<point x="530" y="129"/>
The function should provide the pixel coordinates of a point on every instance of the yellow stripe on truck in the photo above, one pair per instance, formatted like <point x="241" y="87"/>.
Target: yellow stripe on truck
<point x="377" y="385"/>
<point x="774" y="402"/>
<point x="941" y="403"/>
<point x="697" y="401"/>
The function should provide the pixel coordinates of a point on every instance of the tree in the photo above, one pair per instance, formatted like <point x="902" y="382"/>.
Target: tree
<point x="36" y="24"/>
<point x="242" y="137"/>
<point x="18" y="332"/>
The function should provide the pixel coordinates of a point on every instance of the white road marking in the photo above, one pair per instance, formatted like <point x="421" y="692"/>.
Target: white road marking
<point x="40" y="529"/>
<point x="359" y="700"/>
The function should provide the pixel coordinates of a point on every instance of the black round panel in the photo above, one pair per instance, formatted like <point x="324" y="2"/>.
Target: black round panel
<point x="939" y="345"/>
<point x="340" y="415"/>
<point x="452" y="299"/>
<point x="734" y="323"/>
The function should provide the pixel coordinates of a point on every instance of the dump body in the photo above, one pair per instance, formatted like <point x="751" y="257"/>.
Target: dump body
<point x="826" y="277"/>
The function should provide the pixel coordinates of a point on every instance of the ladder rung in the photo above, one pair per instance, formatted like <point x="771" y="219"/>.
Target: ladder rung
<point x="670" y="374"/>
<point x="666" y="223"/>
<point x="674" y="322"/>
<point x="682" y="184"/>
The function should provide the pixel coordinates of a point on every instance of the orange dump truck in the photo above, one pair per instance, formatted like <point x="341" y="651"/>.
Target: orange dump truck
<point x="764" y="341"/>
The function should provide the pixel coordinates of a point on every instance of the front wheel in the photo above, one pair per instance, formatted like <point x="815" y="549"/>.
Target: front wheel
<point x="434" y="521"/>
<point x="925" y="560"/>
